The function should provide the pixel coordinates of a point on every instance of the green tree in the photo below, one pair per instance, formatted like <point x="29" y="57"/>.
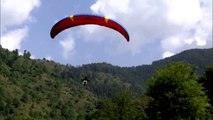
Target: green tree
<point x="26" y="54"/>
<point x="207" y="81"/>
<point x="4" y="70"/>
<point x="122" y="106"/>
<point x="177" y="94"/>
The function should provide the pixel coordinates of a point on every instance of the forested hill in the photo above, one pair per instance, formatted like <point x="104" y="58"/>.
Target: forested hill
<point x="198" y="57"/>
<point x="42" y="88"/>
<point x="137" y="76"/>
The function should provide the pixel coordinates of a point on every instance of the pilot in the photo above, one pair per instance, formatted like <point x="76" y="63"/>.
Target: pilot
<point x="85" y="80"/>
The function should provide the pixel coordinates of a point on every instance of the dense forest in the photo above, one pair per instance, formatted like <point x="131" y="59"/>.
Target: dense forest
<point x="178" y="87"/>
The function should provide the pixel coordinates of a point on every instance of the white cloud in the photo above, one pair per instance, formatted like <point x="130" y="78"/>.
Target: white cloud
<point x="134" y="16"/>
<point x="183" y="12"/>
<point x="14" y="16"/>
<point x="12" y="40"/>
<point x="16" y="12"/>
<point x="200" y="42"/>
<point x="111" y="8"/>
<point x="33" y="57"/>
<point x="178" y="24"/>
<point x="68" y="45"/>
<point x="176" y="43"/>
<point x="172" y="43"/>
<point x="189" y="41"/>
<point x="49" y="58"/>
<point x="167" y="54"/>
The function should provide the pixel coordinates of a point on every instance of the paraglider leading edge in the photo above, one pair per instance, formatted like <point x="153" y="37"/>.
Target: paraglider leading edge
<point x="77" y="20"/>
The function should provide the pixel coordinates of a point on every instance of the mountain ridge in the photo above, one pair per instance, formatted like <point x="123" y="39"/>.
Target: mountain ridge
<point x="44" y="89"/>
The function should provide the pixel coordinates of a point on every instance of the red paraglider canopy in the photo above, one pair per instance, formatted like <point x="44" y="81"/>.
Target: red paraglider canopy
<point x="77" y="20"/>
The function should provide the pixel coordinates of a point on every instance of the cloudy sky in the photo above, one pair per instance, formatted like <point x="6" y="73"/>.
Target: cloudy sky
<point x="157" y="29"/>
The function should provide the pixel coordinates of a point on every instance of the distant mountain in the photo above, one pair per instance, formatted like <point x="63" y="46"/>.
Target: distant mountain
<point x="200" y="58"/>
<point x="45" y="89"/>
<point x="197" y="57"/>
<point x="137" y="76"/>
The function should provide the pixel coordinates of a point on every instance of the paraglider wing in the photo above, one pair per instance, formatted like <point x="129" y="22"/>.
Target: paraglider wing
<point x="77" y="20"/>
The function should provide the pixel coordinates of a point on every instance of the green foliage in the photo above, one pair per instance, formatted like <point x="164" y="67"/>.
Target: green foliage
<point x="207" y="81"/>
<point x="122" y="106"/>
<point x="29" y="91"/>
<point x="43" y="89"/>
<point x="177" y="94"/>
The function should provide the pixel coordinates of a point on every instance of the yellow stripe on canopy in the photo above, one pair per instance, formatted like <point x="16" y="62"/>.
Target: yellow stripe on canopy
<point x="72" y="18"/>
<point x="106" y="19"/>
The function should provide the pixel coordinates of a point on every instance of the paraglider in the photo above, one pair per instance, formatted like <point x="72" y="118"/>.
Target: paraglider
<point x="77" y="20"/>
<point x="85" y="80"/>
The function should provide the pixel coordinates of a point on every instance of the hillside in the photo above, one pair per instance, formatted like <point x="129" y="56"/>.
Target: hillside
<point x="197" y="57"/>
<point x="200" y="58"/>
<point x="31" y="89"/>
<point x="137" y="76"/>
<point x="44" y="89"/>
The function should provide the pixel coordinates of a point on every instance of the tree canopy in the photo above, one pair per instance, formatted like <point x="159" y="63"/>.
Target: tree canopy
<point x="42" y="89"/>
<point x="177" y="94"/>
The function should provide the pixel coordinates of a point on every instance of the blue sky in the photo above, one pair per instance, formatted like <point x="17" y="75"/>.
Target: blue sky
<point x="157" y="29"/>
